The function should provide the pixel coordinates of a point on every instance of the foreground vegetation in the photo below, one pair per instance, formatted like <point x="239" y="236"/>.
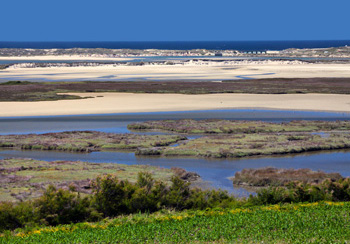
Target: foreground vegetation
<point x="324" y="222"/>
<point x="280" y="177"/>
<point x="110" y="197"/>
<point x="86" y="141"/>
<point x="218" y="126"/>
<point x="305" y="213"/>
<point x="46" y="91"/>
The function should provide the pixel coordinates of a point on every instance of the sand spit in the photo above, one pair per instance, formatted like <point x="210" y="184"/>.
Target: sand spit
<point x="214" y="71"/>
<point x="104" y="103"/>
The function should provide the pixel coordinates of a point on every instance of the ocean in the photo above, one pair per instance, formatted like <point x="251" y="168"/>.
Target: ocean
<point x="183" y="45"/>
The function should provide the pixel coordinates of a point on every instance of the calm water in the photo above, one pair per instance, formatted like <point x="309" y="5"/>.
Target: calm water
<point x="117" y="123"/>
<point x="181" y="45"/>
<point x="214" y="171"/>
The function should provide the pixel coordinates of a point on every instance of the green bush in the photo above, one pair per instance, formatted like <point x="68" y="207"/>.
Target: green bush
<point x="112" y="197"/>
<point x="14" y="216"/>
<point x="62" y="207"/>
<point x="296" y="192"/>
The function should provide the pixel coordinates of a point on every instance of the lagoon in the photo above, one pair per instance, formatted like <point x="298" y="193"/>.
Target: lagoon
<point x="215" y="171"/>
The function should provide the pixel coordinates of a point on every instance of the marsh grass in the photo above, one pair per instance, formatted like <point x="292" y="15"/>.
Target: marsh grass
<point x="22" y="179"/>
<point x="279" y="177"/>
<point x="44" y="91"/>
<point x="245" y="145"/>
<point x="86" y="141"/>
<point x="217" y="126"/>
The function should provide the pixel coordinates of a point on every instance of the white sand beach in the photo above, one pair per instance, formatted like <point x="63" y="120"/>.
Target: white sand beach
<point x="177" y="72"/>
<point x="104" y="103"/>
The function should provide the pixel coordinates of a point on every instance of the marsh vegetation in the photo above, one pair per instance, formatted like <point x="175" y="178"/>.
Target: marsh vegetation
<point x="86" y="141"/>
<point x="269" y="176"/>
<point x="244" y="145"/>
<point x="217" y="126"/>
<point x="23" y="179"/>
<point x="46" y="91"/>
<point x="231" y="139"/>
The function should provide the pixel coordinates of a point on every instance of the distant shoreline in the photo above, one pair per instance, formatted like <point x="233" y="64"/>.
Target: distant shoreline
<point x="63" y="57"/>
<point x="181" y="45"/>
<point x="335" y="51"/>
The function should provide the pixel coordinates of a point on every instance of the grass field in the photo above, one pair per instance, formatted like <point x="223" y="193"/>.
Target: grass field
<point x="47" y="91"/>
<point x="323" y="222"/>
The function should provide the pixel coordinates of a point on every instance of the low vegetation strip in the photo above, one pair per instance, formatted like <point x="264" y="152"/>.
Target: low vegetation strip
<point x="319" y="222"/>
<point x="41" y="91"/>
<point x="217" y="126"/>
<point x="280" y="177"/>
<point x="217" y="146"/>
<point x="244" y="145"/>
<point x="86" y="141"/>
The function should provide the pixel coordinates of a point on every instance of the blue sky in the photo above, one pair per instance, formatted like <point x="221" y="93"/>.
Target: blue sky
<point x="180" y="20"/>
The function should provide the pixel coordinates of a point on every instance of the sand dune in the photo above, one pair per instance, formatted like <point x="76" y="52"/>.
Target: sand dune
<point x="130" y="103"/>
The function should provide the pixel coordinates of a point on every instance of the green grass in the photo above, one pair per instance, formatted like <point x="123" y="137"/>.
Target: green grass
<point x="324" y="222"/>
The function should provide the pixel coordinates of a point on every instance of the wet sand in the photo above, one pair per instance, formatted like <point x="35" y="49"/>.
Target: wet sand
<point x="107" y="103"/>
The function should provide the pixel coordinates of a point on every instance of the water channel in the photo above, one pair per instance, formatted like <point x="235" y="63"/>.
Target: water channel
<point x="215" y="171"/>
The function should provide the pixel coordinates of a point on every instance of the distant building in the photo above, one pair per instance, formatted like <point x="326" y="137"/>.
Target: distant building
<point x="272" y="52"/>
<point x="218" y="54"/>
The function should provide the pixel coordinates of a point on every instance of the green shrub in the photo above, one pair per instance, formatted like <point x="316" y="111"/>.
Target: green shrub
<point x="62" y="207"/>
<point x="14" y="216"/>
<point x="111" y="196"/>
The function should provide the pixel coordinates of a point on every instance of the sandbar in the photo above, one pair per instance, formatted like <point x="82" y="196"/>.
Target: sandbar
<point x="213" y="72"/>
<point x="107" y="103"/>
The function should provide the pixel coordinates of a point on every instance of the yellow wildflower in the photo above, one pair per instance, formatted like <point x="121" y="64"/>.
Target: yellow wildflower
<point x="21" y="234"/>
